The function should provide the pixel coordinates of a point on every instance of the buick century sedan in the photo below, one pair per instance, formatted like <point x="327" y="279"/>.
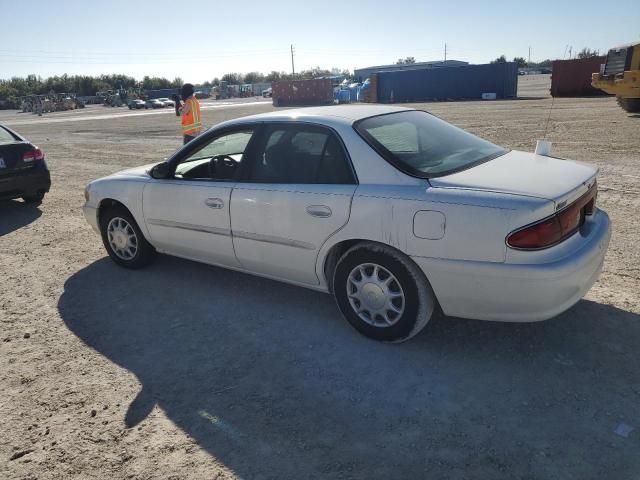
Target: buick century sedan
<point x="391" y="210"/>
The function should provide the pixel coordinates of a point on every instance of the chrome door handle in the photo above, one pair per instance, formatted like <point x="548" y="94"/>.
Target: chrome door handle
<point x="216" y="203"/>
<point x="321" y="211"/>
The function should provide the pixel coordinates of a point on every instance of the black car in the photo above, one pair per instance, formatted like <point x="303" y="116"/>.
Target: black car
<point x="23" y="171"/>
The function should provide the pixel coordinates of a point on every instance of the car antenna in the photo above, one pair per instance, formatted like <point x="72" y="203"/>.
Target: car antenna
<point x="543" y="147"/>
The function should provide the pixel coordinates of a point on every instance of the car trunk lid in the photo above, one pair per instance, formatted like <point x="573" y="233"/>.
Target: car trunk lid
<point x="525" y="174"/>
<point x="11" y="157"/>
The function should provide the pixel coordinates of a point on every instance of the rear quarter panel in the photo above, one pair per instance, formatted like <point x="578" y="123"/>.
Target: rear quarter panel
<point x="475" y="223"/>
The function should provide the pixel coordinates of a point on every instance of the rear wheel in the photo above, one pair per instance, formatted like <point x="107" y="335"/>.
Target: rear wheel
<point x="382" y="292"/>
<point x="123" y="239"/>
<point x="631" y="105"/>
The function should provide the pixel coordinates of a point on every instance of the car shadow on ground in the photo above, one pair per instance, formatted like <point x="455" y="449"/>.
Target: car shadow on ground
<point x="15" y="214"/>
<point x="271" y="381"/>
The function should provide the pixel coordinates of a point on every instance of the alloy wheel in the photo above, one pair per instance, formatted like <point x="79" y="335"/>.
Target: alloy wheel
<point x="375" y="295"/>
<point x="122" y="238"/>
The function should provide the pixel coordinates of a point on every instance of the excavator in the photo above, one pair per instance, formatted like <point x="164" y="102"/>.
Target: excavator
<point x="620" y="76"/>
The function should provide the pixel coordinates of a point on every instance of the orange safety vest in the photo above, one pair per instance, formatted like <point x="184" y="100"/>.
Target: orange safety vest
<point x="191" y="124"/>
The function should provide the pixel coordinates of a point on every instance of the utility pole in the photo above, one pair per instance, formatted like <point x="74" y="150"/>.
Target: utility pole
<point x="445" y="52"/>
<point x="529" y="60"/>
<point x="570" y="49"/>
<point x="293" y="68"/>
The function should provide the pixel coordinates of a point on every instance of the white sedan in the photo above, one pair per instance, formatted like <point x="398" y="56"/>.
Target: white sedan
<point x="392" y="210"/>
<point x="167" y="102"/>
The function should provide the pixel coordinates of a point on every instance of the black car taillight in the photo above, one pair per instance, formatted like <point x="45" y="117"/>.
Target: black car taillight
<point x="554" y="229"/>
<point x="33" y="155"/>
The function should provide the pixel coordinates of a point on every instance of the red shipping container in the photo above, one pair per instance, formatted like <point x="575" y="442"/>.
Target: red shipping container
<point x="572" y="78"/>
<point x="302" y="92"/>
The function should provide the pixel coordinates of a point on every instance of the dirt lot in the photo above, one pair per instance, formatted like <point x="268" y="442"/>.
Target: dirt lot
<point x="185" y="371"/>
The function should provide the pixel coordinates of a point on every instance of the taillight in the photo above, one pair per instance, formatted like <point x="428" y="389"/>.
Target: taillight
<point x="538" y="235"/>
<point x="33" y="155"/>
<point x="556" y="228"/>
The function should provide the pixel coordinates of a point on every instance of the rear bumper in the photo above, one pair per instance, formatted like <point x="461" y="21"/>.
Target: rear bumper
<point x="29" y="182"/>
<point x="520" y="292"/>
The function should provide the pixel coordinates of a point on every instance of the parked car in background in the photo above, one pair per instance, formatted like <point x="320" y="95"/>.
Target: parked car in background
<point x="390" y="209"/>
<point x="135" y="104"/>
<point x="154" y="103"/>
<point x="201" y="95"/>
<point x="23" y="170"/>
<point x="267" y="93"/>
<point x="167" y="102"/>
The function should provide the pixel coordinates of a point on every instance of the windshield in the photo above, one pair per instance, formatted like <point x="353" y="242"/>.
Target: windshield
<point x="423" y="145"/>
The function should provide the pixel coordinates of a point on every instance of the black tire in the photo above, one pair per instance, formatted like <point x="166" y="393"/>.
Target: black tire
<point x="417" y="304"/>
<point x="144" y="253"/>
<point x="631" y="105"/>
<point x="35" y="199"/>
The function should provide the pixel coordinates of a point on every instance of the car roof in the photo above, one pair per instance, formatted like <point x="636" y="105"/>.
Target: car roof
<point x="343" y="114"/>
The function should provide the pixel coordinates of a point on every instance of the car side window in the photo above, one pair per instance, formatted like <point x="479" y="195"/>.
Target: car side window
<point x="303" y="154"/>
<point x="220" y="159"/>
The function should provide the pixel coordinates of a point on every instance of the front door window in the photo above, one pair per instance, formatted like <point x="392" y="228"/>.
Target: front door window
<point x="218" y="160"/>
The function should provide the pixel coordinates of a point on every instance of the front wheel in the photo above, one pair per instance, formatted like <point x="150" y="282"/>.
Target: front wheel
<point x="382" y="292"/>
<point x="123" y="239"/>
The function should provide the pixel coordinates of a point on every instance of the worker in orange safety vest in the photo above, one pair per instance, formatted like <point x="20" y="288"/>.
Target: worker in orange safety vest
<point x="190" y="113"/>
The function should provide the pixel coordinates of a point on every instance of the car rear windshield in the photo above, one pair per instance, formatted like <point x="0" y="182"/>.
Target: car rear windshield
<point x="6" y="137"/>
<point x="423" y="145"/>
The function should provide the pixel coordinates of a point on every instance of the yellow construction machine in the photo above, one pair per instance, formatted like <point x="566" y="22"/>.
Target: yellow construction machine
<point x="620" y="76"/>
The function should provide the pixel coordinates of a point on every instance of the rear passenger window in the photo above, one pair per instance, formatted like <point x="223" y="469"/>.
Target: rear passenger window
<point x="301" y="154"/>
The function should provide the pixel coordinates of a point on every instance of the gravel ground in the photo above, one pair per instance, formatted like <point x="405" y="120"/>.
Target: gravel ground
<point x="185" y="371"/>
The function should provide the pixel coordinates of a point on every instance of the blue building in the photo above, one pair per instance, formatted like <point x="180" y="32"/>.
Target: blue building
<point x="361" y="74"/>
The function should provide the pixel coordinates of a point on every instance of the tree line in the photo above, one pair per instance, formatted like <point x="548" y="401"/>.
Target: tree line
<point x="81" y="85"/>
<point x="86" y="85"/>
<point x="274" y="76"/>
<point x="522" y="62"/>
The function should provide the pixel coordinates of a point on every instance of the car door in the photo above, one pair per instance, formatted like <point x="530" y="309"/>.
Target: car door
<point x="296" y="194"/>
<point x="187" y="214"/>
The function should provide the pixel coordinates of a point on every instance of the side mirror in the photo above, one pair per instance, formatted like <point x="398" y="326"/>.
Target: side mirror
<point x="161" y="170"/>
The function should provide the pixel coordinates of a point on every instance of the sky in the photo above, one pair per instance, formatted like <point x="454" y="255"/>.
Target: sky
<point x="208" y="39"/>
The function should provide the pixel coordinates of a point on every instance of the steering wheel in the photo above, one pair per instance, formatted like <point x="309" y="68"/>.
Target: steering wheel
<point x="227" y="162"/>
